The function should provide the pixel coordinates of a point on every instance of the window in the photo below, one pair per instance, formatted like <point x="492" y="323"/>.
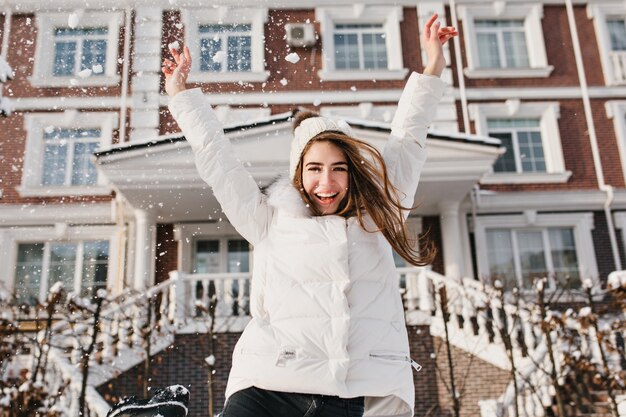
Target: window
<point x="67" y="156"/>
<point x="522" y="140"/>
<point x="361" y="43"/>
<point x="81" y="267"/>
<point x="517" y="249"/>
<point x="360" y="46"/>
<point x="59" y="147"/>
<point x="228" y="42"/>
<point x="501" y="43"/>
<point x="504" y="41"/>
<point x="225" y="47"/>
<point x="79" y="49"/>
<point x="518" y="257"/>
<point x="63" y="51"/>
<point x="530" y="136"/>
<point x="610" y="24"/>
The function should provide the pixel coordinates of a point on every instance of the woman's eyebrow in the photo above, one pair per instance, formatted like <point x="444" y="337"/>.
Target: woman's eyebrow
<point x="333" y="164"/>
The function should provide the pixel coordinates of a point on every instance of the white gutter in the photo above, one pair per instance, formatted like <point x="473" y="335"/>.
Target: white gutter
<point x="595" y="151"/>
<point x="459" y="68"/>
<point x="125" y="76"/>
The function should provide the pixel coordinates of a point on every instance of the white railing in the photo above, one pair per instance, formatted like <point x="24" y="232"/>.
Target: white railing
<point x="472" y="313"/>
<point x="618" y="63"/>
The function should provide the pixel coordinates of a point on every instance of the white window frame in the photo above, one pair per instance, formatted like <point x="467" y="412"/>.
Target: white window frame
<point x="389" y="16"/>
<point x="616" y="110"/>
<point x="581" y="223"/>
<point x="548" y="115"/>
<point x="192" y="18"/>
<point x="35" y="123"/>
<point x="531" y="14"/>
<point x="61" y="233"/>
<point x="44" y="52"/>
<point x="600" y="13"/>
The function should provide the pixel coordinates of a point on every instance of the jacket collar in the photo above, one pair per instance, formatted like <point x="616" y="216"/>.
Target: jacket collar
<point x="282" y="195"/>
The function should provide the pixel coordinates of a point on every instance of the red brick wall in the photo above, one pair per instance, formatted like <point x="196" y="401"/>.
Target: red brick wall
<point x="183" y="363"/>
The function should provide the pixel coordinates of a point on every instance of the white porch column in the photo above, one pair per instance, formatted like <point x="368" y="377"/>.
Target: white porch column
<point x="145" y="238"/>
<point x="451" y="237"/>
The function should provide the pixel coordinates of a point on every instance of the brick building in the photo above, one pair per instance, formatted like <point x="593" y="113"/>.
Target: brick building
<point x="527" y="154"/>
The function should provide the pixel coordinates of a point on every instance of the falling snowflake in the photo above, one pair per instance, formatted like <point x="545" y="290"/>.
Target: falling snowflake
<point x="283" y="82"/>
<point x="292" y="57"/>
<point x="174" y="46"/>
<point x="220" y="56"/>
<point x="85" y="73"/>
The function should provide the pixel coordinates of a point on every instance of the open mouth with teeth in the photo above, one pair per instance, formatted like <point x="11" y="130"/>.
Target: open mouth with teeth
<point x="326" y="198"/>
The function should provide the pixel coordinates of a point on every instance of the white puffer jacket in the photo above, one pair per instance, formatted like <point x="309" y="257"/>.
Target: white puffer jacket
<point x="327" y="317"/>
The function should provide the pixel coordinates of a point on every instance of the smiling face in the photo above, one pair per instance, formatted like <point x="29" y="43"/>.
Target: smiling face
<point x="325" y="176"/>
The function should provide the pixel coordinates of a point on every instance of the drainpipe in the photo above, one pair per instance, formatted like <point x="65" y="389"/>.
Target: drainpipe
<point x="459" y="68"/>
<point x="6" y="31"/>
<point x="125" y="76"/>
<point x="595" y="151"/>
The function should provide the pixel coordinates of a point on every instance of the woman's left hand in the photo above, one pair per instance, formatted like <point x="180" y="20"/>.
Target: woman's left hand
<point x="433" y="38"/>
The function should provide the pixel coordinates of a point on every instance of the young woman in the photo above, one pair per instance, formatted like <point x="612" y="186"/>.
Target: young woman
<point x="327" y="335"/>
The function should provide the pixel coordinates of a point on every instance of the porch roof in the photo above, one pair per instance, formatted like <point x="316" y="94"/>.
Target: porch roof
<point x="159" y="175"/>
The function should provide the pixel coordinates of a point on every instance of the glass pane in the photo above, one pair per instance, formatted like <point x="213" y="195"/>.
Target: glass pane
<point x="515" y="50"/>
<point x="95" y="267"/>
<point x="511" y="123"/>
<point x="564" y="257"/>
<point x="506" y="162"/>
<point x="617" y="33"/>
<point x="62" y="265"/>
<point x="28" y="272"/>
<point x="207" y="259"/>
<point x="208" y="49"/>
<point x="374" y="51"/>
<point x="239" y="53"/>
<point x="346" y="51"/>
<point x="238" y="256"/>
<point x="94" y="53"/>
<point x="64" y="58"/>
<point x="488" y="52"/>
<point x="531" y="152"/>
<point x="532" y="256"/>
<point x="500" y="255"/>
<point x="54" y="164"/>
<point x="83" y="170"/>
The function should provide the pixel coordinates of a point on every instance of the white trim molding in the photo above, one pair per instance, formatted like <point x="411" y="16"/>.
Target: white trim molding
<point x="531" y="14"/>
<point x="619" y="219"/>
<point x="192" y="18"/>
<point x="389" y="16"/>
<point x="44" y="52"/>
<point x="548" y="114"/>
<point x="582" y="224"/>
<point x="616" y="110"/>
<point x="600" y="13"/>
<point x="35" y="124"/>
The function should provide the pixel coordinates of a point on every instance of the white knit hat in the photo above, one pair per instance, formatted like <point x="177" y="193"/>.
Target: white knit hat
<point x="307" y="130"/>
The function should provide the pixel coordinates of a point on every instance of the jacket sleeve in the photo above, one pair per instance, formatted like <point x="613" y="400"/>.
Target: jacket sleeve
<point x="405" y="151"/>
<point x="233" y="186"/>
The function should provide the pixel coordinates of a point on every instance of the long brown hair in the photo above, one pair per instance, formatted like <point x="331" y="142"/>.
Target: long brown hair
<point x="369" y="191"/>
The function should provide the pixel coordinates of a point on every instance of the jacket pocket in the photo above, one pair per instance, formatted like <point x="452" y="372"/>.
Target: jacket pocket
<point x="397" y="357"/>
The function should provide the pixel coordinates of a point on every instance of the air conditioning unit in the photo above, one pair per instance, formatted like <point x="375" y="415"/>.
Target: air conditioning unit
<point x="300" y="34"/>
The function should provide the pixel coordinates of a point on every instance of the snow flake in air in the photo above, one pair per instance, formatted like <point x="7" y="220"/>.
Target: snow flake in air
<point x="292" y="57"/>
<point x="97" y="69"/>
<point x="174" y="45"/>
<point x="74" y="19"/>
<point x="283" y="82"/>
<point x="220" y="56"/>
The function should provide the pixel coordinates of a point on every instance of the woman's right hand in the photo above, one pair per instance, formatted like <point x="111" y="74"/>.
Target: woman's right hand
<point x="176" y="72"/>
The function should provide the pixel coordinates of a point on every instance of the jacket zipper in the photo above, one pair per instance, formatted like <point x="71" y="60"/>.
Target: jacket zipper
<point x="414" y="364"/>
